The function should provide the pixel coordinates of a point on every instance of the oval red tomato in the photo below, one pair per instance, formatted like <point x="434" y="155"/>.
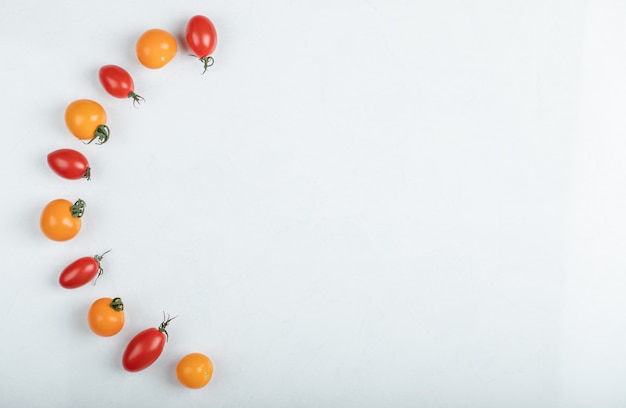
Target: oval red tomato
<point x="145" y="348"/>
<point x="201" y="38"/>
<point x="118" y="83"/>
<point x="69" y="164"/>
<point x="81" y="271"/>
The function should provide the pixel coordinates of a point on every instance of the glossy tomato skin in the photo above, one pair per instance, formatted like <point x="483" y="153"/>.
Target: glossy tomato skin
<point x="69" y="164"/>
<point x="106" y="316"/>
<point x="81" y="271"/>
<point x="144" y="349"/>
<point x="201" y="36"/>
<point x="86" y="120"/>
<point x="194" y="370"/>
<point x="155" y="48"/>
<point x="116" y="81"/>
<point x="60" y="219"/>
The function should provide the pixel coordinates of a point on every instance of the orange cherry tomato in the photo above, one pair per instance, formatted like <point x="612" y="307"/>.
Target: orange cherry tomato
<point x="61" y="220"/>
<point x="194" y="370"/>
<point x="86" y="119"/>
<point x="155" y="48"/>
<point x="106" y="316"/>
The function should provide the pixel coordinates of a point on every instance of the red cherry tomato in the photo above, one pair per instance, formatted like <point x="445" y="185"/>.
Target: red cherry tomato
<point x="69" y="164"/>
<point x="145" y="347"/>
<point x="81" y="271"/>
<point x="201" y="39"/>
<point x="118" y="83"/>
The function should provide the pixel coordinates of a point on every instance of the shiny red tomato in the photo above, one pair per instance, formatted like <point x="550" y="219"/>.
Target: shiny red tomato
<point x="118" y="83"/>
<point x="201" y="39"/>
<point x="145" y="347"/>
<point x="81" y="271"/>
<point x="69" y="164"/>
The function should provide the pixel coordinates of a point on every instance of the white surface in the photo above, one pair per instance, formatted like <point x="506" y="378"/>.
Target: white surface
<point x="362" y="204"/>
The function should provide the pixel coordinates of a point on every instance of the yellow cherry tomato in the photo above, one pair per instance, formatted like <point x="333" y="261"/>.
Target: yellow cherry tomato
<point x="106" y="316"/>
<point x="60" y="219"/>
<point x="86" y="119"/>
<point x="194" y="370"/>
<point x="155" y="48"/>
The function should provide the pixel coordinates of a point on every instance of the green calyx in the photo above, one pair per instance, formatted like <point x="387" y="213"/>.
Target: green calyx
<point x="207" y="61"/>
<point x="78" y="208"/>
<point x="101" y="135"/>
<point x="166" y="320"/>
<point x="98" y="258"/>
<point x="117" y="304"/>
<point x="137" y="99"/>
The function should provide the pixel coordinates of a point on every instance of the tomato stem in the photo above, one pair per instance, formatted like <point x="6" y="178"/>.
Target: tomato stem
<point x="98" y="258"/>
<point x="87" y="173"/>
<point x="78" y="208"/>
<point x="102" y="134"/>
<point x="137" y="99"/>
<point x="208" y="62"/>
<point x="117" y="304"/>
<point x="166" y="321"/>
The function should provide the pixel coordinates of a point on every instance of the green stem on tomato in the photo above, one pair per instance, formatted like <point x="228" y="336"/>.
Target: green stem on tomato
<point x="78" y="208"/>
<point x="208" y="61"/>
<point x="117" y="304"/>
<point x="98" y="258"/>
<point x="166" y="321"/>
<point x="101" y="134"/>
<point x="137" y="99"/>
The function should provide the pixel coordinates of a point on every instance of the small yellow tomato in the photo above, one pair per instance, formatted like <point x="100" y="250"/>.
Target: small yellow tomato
<point x="60" y="219"/>
<point x="155" y="48"/>
<point x="86" y="119"/>
<point x="194" y="370"/>
<point x="106" y="316"/>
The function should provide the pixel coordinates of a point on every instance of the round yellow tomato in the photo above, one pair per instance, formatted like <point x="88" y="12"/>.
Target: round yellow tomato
<point x="86" y="119"/>
<point x="106" y="316"/>
<point x="155" y="48"/>
<point x="194" y="370"/>
<point x="60" y="219"/>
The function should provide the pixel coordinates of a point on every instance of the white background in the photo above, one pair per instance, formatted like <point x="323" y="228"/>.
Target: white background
<point x="362" y="204"/>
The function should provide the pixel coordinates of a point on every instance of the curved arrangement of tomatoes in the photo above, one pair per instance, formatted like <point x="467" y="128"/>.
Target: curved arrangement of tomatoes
<point x="194" y="370"/>
<point x="201" y="38"/>
<point x="61" y="220"/>
<point x="118" y="83"/>
<point x="86" y="120"/>
<point x="106" y="316"/>
<point x="155" y="48"/>
<point x="81" y="271"/>
<point x="145" y="348"/>
<point x="69" y="164"/>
